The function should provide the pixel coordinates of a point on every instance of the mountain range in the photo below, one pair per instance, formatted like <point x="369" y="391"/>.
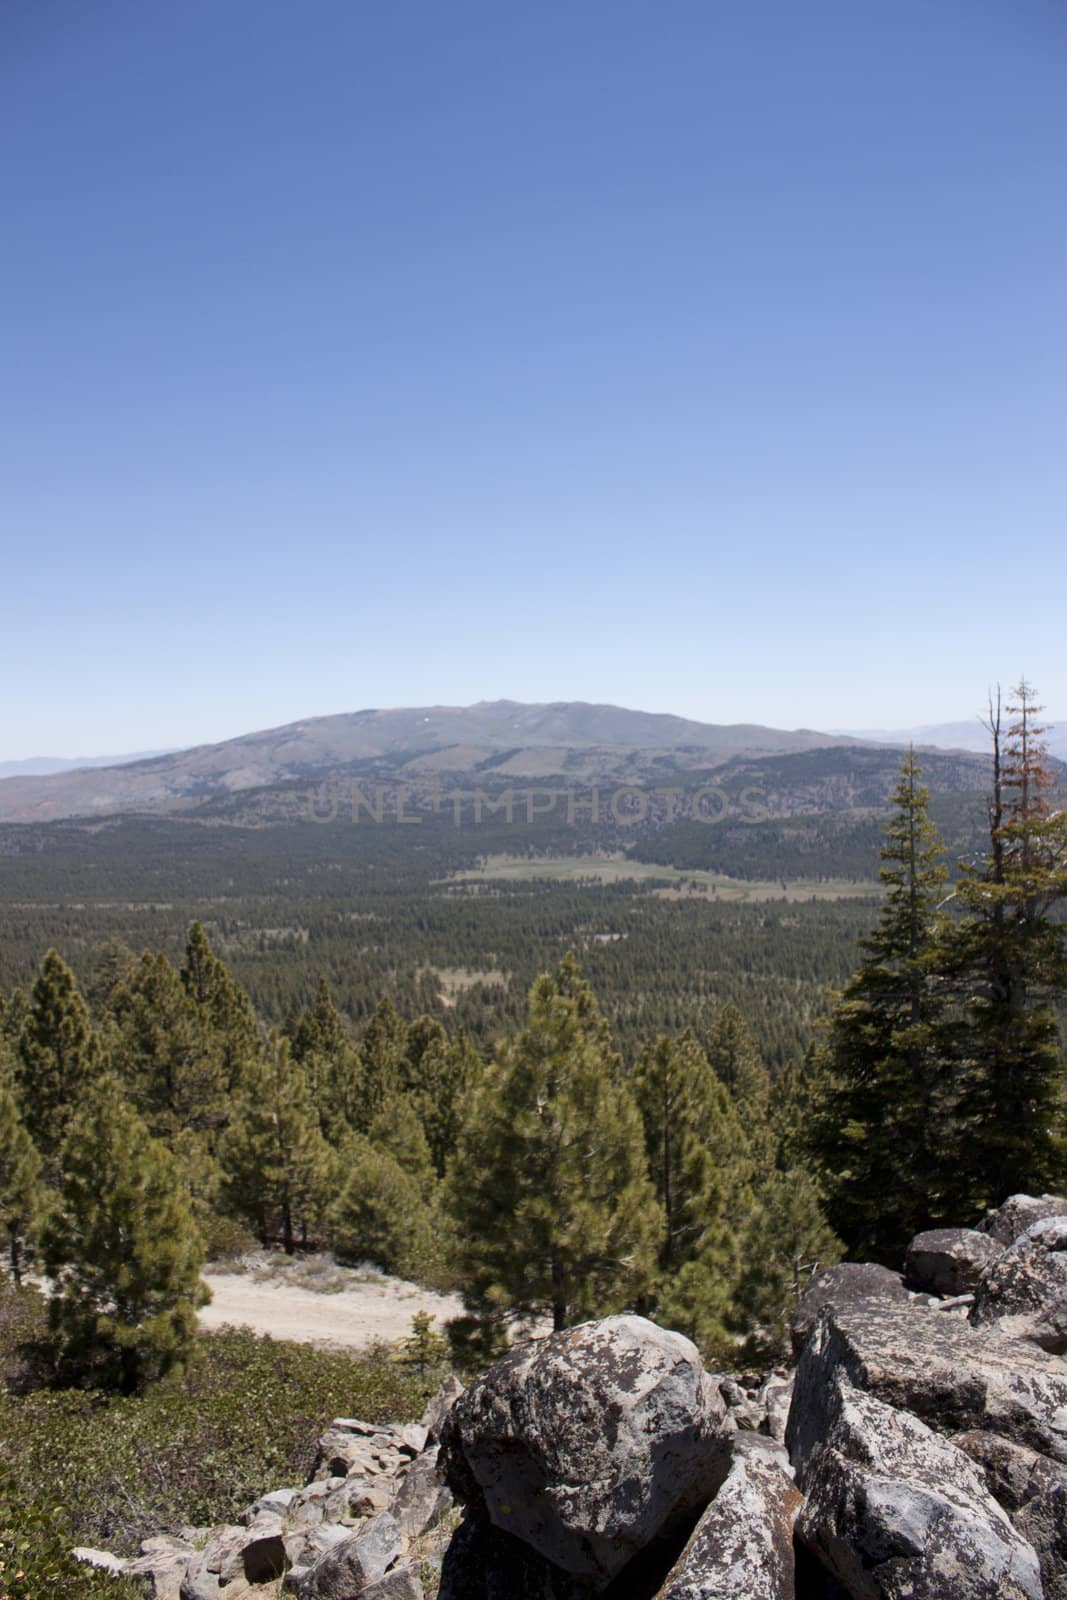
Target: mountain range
<point x="505" y="741"/>
<point x="971" y="735"/>
<point x="511" y="740"/>
<point x="47" y="766"/>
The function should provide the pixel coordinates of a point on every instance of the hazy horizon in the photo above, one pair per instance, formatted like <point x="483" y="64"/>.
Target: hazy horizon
<point x="900" y="730"/>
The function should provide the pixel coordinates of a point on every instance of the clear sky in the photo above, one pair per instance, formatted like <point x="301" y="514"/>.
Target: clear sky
<point x="696" y="356"/>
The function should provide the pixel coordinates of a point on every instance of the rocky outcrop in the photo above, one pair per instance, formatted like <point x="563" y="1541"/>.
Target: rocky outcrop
<point x="743" y="1544"/>
<point x="924" y="1458"/>
<point x="589" y="1445"/>
<point x="954" y="1377"/>
<point x="950" y="1261"/>
<point x="1024" y="1291"/>
<point x="891" y="1509"/>
<point x="353" y="1565"/>
<point x="1008" y="1221"/>
<point x="332" y="1538"/>
<point x="1033" y="1490"/>
<point x="854" y="1284"/>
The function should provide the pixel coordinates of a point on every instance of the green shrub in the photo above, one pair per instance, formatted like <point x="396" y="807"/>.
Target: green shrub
<point x="194" y="1448"/>
<point x="380" y="1216"/>
<point x="35" y="1558"/>
<point x="224" y="1238"/>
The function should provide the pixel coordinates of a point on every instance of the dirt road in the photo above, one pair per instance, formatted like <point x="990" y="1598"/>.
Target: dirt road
<point x="354" y="1317"/>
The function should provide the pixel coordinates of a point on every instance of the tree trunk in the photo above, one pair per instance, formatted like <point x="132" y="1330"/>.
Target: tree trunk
<point x="559" y="1296"/>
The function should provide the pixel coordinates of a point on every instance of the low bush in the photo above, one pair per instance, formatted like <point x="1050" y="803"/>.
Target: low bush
<point x="83" y="1467"/>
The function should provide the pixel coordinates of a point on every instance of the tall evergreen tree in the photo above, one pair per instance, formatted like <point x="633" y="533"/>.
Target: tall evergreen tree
<point x="320" y="1027"/>
<point x="436" y="1074"/>
<point x="279" y="1168"/>
<point x="549" y="1186"/>
<point x="58" y="1055"/>
<point x="1008" y="958"/>
<point x="382" y="1050"/>
<point x="121" y="1249"/>
<point x="884" y="1093"/>
<point x="223" y="1005"/>
<point x="112" y="965"/>
<point x="397" y="1130"/>
<point x="21" y="1190"/>
<point x="734" y="1057"/>
<point x="701" y="1168"/>
<point x="14" y="1014"/>
<point x="688" y="1121"/>
<point x="323" y="1046"/>
<point x="164" y="1051"/>
<point x="787" y="1241"/>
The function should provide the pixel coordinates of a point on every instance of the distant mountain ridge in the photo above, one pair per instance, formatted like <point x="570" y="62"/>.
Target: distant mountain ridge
<point x="48" y="766"/>
<point x="572" y="738"/>
<point x="969" y="735"/>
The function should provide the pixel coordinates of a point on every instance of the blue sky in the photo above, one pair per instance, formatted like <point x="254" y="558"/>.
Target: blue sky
<point x="700" y="357"/>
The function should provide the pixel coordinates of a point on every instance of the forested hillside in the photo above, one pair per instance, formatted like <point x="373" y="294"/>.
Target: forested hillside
<point x="456" y="915"/>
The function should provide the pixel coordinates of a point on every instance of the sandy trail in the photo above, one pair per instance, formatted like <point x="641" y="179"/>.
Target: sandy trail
<point x="353" y="1317"/>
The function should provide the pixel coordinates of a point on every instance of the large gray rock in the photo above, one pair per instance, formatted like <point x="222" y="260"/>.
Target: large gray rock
<point x="422" y="1499"/>
<point x="1008" y="1221"/>
<point x="742" y="1548"/>
<point x="160" y="1565"/>
<point x="200" y="1583"/>
<point x="349" y="1568"/>
<point x="402" y="1583"/>
<point x="317" y="1541"/>
<point x="590" y="1444"/>
<point x="485" y="1563"/>
<point x="775" y="1398"/>
<point x="950" y="1261"/>
<point x="433" y="1418"/>
<point x="892" y="1510"/>
<point x="1033" y="1490"/>
<point x="852" y="1285"/>
<point x="275" y="1504"/>
<point x="1025" y="1290"/>
<point x="953" y="1376"/>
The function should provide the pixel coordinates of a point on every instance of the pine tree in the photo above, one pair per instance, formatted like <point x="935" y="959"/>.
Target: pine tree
<point x="1008" y="959"/>
<point x="320" y="1028"/>
<point x="223" y="1006"/>
<point x="323" y="1046"/>
<point x="121" y="1249"/>
<point x="701" y="1167"/>
<point x="380" y="1214"/>
<point x="164" y="1051"/>
<point x="21" y="1191"/>
<point x="575" y="986"/>
<point x="687" y="1120"/>
<point x="381" y="1053"/>
<point x="58" y="1055"/>
<point x="436" y="1074"/>
<point x="734" y="1057"/>
<point x="883" y="1084"/>
<point x="397" y="1130"/>
<point x="549" y="1186"/>
<point x="279" y="1168"/>
<point x="788" y="1241"/>
<point x="111" y="967"/>
<point x="14" y="1015"/>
